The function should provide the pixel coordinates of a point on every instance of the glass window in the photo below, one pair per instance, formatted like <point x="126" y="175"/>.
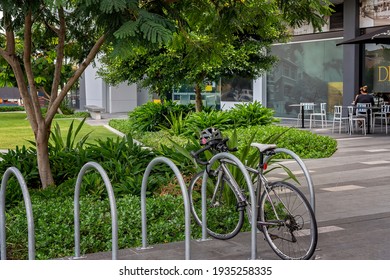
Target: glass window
<point x="237" y="89"/>
<point x="314" y="75"/>
<point x="376" y="71"/>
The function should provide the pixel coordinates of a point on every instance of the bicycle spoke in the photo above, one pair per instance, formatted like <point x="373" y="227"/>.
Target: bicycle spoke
<point x="293" y="234"/>
<point x="224" y="216"/>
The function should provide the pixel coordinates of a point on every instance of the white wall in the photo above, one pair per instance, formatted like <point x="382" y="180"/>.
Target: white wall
<point x="93" y="88"/>
<point x="114" y="99"/>
<point x="122" y="98"/>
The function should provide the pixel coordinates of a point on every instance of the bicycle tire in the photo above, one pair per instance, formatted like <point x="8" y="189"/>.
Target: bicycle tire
<point x="296" y="238"/>
<point x="224" y="218"/>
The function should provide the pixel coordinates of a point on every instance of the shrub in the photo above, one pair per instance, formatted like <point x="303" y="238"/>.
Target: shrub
<point x="125" y="163"/>
<point x="24" y="159"/>
<point x="151" y="116"/>
<point x="11" y="108"/>
<point x="251" y="113"/>
<point x="198" y="121"/>
<point x="304" y="143"/>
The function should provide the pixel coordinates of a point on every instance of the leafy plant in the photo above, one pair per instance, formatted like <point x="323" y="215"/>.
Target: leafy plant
<point x="56" y="140"/>
<point x="198" y="121"/>
<point x="176" y="123"/>
<point x="65" y="107"/>
<point x="251" y="113"/>
<point x="151" y="116"/>
<point x="24" y="159"/>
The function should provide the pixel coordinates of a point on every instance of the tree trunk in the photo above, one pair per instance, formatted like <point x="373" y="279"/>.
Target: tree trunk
<point x="198" y="98"/>
<point x="42" y="141"/>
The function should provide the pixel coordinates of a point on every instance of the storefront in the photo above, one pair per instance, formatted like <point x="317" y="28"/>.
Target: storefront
<point x="318" y="67"/>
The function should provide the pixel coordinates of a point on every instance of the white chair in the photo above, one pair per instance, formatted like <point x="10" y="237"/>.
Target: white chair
<point x="364" y="110"/>
<point x="356" y="119"/>
<point x="321" y="114"/>
<point x="383" y="115"/>
<point x="307" y="107"/>
<point x="338" y="117"/>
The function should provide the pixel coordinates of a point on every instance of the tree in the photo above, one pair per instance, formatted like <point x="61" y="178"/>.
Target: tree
<point x="42" y="40"/>
<point x="215" y="38"/>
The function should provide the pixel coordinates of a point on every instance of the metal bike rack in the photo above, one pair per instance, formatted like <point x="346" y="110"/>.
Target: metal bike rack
<point x="185" y="199"/>
<point x="251" y="194"/>
<point x="111" y="198"/>
<point x="304" y="169"/>
<point x="27" y="203"/>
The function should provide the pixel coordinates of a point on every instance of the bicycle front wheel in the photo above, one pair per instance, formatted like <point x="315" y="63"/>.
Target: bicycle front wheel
<point x="224" y="216"/>
<point x="288" y="221"/>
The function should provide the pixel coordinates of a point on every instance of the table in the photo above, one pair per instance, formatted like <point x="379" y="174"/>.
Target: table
<point x="302" y="106"/>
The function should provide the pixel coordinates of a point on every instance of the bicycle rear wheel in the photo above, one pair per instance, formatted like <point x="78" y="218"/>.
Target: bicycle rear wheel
<point x="291" y="232"/>
<point x="224" y="217"/>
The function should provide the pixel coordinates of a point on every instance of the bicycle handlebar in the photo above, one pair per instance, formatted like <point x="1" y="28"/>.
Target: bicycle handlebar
<point x="195" y="155"/>
<point x="218" y="145"/>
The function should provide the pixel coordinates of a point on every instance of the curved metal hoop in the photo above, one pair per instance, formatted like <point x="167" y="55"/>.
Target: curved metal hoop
<point x="251" y="194"/>
<point x="186" y="200"/>
<point x="304" y="169"/>
<point x="27" y="203"/>
<point x="111" y="198"/>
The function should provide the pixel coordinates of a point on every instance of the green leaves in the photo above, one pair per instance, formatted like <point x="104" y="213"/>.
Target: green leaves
<point x="109" y="6"/>
<point x="152" y="27"/>
<point x="57" y="142"/>
<point x="212" y="39"/>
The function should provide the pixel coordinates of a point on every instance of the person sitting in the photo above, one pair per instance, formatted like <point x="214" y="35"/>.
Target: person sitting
<point x="364" y="97"/>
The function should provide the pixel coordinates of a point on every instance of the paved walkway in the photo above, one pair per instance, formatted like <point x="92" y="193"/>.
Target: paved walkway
<point x="352" y="190"/>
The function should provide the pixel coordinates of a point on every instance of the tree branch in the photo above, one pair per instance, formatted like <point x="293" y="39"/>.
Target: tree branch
<point x="10" y="46"/>
<point x="60" y="56"/>
<point x="90" y="57"/>
<point x="28" y="67"/>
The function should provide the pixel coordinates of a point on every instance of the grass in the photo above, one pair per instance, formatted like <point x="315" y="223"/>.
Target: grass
<point x="15" y="130"/>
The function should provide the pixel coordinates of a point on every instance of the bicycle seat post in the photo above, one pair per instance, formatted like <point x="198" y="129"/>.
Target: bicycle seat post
<point x="263" y="149"/>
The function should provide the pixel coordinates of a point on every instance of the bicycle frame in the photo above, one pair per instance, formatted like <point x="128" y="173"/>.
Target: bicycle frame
<point x="223" y="170"/>
<point x="267" y="210"/>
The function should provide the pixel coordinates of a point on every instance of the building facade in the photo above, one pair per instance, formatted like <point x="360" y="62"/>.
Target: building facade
<point x="318" y="67"/>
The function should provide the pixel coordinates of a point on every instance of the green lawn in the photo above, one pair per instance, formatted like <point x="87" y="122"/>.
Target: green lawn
<point x="15" y="130"/>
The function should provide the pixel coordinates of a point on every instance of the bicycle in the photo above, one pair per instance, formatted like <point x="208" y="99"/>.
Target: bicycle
<point x="284" y="215"/>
